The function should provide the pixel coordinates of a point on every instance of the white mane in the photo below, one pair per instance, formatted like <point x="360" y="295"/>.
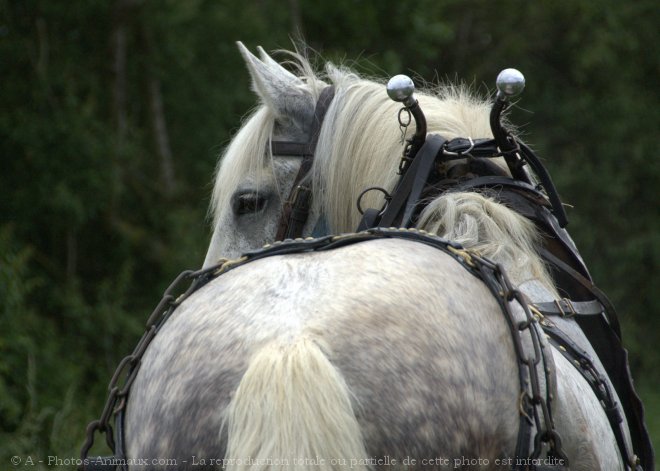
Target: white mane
<point x="360" y="146"/>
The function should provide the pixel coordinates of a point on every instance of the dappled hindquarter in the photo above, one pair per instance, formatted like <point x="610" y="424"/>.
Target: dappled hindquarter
<point x="420" y="342"/>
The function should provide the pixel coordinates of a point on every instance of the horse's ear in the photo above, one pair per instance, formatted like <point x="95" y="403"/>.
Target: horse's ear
<point x="270" y="62"/>
<point x="284" y="93"/>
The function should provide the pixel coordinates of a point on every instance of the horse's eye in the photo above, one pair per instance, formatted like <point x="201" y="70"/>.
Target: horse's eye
<point x="246" y="203"/>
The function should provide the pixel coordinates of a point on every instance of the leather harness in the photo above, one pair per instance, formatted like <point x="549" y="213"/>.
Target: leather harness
<point x="422" y="179"/>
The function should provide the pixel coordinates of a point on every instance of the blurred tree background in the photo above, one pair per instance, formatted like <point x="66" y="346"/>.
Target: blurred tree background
<point x="112" y="114"/>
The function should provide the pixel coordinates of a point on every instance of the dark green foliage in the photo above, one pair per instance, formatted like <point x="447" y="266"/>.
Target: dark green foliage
<point x="98" y="213"/>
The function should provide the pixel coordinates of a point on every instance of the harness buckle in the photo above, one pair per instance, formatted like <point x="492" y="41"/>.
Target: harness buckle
<point x="565" y="307"/>
<point x="459" y="153"/>
<point x="297" y="191"/>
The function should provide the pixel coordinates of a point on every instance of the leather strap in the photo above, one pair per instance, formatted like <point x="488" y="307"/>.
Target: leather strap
<point x="400" y="209"/>
<point x="460" y="147"/>
<point x="609" y="310"/>
<point x="296" y="208"/>
<point x="281" y="148"/>
<point x="568" y="308"/>
<point x="494" y="181"/>
<point x="368" y="220"/>
<point x="546" y="181"/>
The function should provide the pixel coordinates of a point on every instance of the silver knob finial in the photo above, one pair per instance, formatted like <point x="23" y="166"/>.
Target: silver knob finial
<point x="400" y="88"/>
<point x="510" y="83"/>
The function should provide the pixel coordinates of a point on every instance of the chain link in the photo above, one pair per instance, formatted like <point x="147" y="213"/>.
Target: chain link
<point x="599" y="385"/>
<point x="404" y="123"/>
<point x="126" y="371"/>
<point x="405" y="118"/>
<point x="535" y="406"/>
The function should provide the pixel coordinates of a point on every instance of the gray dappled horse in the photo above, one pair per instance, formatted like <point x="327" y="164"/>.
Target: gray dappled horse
<point x="381" y="350"/>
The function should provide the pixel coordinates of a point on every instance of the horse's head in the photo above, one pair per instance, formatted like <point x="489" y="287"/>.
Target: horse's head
<point x="358" y="144"/>
<point x="250" y="184"/>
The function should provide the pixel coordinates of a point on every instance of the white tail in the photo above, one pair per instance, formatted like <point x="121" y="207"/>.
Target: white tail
<point x="292" y="410"/>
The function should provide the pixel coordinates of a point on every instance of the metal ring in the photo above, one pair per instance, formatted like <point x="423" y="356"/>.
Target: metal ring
<point x="461" y="153"/>
<point x="382" y="190"/>
<point x="401" y="123"/>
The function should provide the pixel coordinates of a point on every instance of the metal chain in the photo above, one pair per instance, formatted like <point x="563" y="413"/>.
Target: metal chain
<point x="404" y="123"/>
<point x="406" y="143"/>
<point x="535" y="406"/>
<point x="126" y="371"/>
<point x="541" y="405"/>
<point x="599" y="385"/>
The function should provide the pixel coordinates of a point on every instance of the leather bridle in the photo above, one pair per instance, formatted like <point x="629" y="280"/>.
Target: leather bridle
<point x="295" y="211"/>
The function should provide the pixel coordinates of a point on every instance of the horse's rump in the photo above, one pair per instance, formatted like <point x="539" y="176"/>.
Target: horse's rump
<point x="419" y="341"/>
